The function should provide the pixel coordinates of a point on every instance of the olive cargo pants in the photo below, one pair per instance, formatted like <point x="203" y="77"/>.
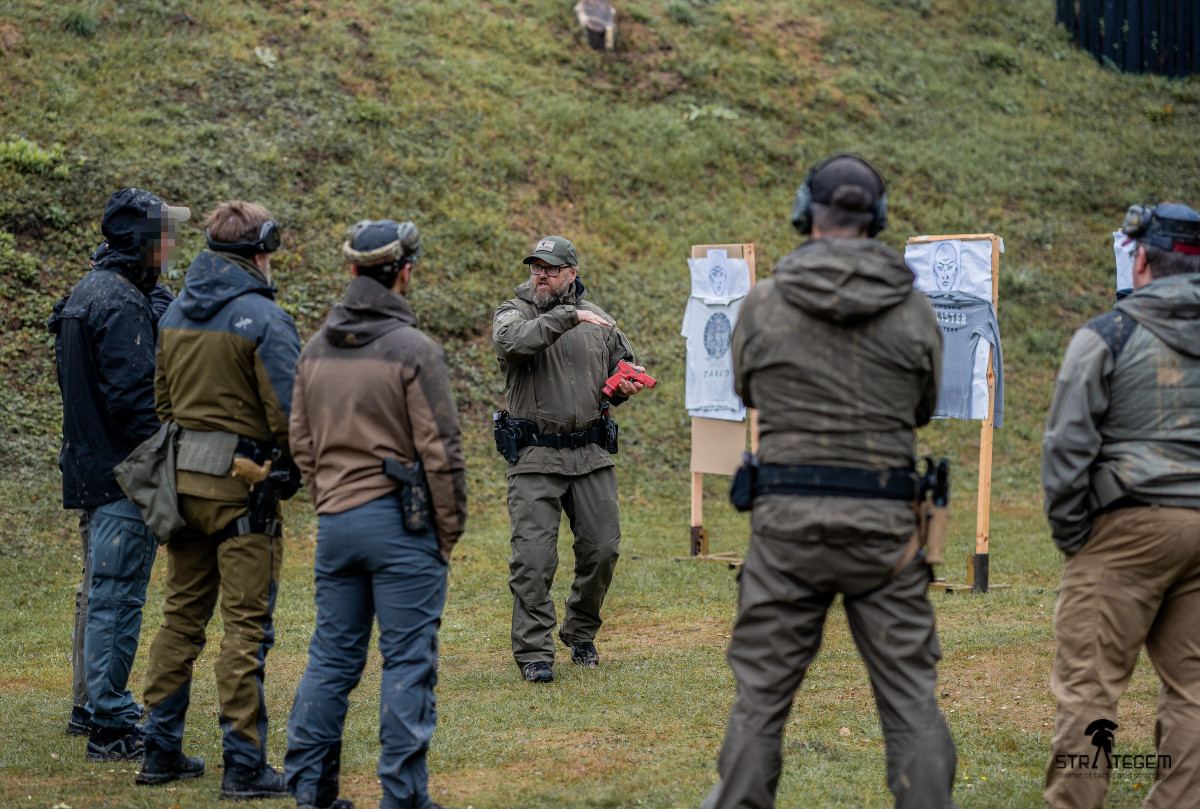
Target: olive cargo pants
<point x="244" y="572"/>
<point x="786" y="588"/>
<point x="1136" y="582"/>
<point x="535" y="505"/>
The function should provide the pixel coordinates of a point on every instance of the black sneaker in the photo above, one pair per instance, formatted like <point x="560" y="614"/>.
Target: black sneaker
<point x="539" y="672"/>
<point x="584" y="654"/>
<point x="79" y="723"/>
<point x="106" y="744"/>
<point x="159" y="767"/>
<point x="242" y="784"/>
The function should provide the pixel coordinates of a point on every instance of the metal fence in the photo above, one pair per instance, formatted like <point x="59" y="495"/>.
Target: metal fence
<point x="1137" y="36"/>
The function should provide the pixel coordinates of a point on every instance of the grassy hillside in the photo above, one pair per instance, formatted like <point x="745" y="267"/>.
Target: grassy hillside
<point x="490" y="124"/>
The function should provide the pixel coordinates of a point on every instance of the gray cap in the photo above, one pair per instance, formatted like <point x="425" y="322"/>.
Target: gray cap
<point x="382" y="242"/>
<point x="554" y="250"/>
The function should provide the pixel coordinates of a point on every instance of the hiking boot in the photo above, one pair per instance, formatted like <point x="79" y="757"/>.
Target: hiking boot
<point x="243" y="784"/>
<point x="79" y="723"/>
<point x="115" y="744"/>
<point x="161" y="766"/>
<point x="584" y="654"/>
<point x="539" y="672"/>
<point x="338" y="803"/>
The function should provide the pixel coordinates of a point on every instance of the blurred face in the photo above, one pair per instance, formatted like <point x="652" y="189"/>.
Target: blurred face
<point x="158" y="255"/>
<point x="550" y="289"/>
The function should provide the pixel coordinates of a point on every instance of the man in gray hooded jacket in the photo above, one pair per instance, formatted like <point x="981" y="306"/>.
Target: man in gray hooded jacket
<point x="1121" y="471"/>
<point x="842" y="357"/>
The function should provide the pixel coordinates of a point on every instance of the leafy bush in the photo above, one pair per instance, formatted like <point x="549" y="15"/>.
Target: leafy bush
<point x="82" y="22"/>
<point x="682" y="12"/>
<point x="997" y="55"/>
<point x="29" y="158"/>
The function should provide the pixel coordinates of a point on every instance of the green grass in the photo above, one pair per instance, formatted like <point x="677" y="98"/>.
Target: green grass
<point x="491" y="124"/>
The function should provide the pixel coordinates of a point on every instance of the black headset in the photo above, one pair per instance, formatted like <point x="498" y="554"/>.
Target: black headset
<point x="802" y="209"/>
<point x="269" y="240"/>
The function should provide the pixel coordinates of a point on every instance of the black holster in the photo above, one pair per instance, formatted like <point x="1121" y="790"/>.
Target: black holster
<point x="413" y="494"/>
<point x="741" y="489"/>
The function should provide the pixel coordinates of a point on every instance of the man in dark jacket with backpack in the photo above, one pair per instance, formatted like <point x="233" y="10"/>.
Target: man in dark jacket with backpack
<point x="104" y="346"/>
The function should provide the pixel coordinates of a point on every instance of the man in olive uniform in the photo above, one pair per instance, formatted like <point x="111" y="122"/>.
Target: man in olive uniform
<point x="842" y="357"/>
<point x="225" y="363"/>
<point x="371" y="389"/>
<point x="556" y="350"/>
<point x="1121" y="470"/>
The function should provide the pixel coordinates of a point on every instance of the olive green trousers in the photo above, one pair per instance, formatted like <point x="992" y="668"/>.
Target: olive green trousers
<point x="535" y="505"/>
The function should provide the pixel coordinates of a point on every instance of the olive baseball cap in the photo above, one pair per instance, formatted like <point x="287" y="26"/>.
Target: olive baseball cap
<point x="554" y="250"/>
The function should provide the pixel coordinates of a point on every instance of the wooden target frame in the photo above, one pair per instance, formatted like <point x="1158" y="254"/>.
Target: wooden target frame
<point x="717" y="445"/>
<point x="978" y="565"/>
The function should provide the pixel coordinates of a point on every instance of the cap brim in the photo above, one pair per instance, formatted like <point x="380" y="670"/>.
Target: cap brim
<point x="549" y="258"/>
<point x="178" y="215"/>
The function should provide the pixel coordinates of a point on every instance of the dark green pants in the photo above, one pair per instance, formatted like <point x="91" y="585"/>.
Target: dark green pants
<point x="786" y="588"/>
<point x="244" y="572"/>
<point x="535" y="505"/>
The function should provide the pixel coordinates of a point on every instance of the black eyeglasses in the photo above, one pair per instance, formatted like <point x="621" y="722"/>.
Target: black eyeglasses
<point x="551" y="272"/>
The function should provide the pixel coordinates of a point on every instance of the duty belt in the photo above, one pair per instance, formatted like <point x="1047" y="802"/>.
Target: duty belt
<point x="837" y="481"/>
<point x="592" y="435"/>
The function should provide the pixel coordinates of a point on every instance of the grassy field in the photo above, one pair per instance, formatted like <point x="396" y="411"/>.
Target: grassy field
<point x="490" y="124"/>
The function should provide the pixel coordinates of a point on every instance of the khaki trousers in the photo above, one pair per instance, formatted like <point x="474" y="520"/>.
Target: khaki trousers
<point x="535" y="505"/>
<point x="1136" y="582"/>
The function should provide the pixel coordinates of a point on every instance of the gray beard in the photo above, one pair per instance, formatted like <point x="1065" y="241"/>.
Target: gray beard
<point x="548" y="300"/>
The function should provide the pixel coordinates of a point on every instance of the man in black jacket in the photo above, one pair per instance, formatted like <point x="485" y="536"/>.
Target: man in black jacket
<point x="104" y="346"/>
<point x="79" y="723"/>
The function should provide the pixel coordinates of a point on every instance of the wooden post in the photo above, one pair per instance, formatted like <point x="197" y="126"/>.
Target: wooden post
<point x="699" y="546"/>
<point x="979" y="582"/>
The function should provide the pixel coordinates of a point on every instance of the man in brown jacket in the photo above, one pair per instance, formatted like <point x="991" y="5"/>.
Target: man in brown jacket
<point x="556" y="351"/>
<point x="375" y="432"/>
<point x="842" y="356"/>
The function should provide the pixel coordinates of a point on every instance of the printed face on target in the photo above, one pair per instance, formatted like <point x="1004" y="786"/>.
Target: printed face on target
<point x="945" y="267"/>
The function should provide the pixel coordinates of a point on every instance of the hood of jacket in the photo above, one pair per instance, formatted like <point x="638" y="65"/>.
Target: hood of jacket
<point x="843" y="280"/>
<point x="368" y="311"/>
<point x="214" y="279"/>
<point x="1170" y="309"/>
<point x="525" y="293"/>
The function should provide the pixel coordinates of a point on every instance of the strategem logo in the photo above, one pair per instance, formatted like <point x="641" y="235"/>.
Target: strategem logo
<point x="1088" y="764"/>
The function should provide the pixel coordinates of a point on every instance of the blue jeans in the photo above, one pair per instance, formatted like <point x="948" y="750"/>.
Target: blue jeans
<point x="368" y="565"/>
<point x="122" y="555"/>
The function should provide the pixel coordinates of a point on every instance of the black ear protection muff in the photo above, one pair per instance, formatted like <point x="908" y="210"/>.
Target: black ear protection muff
<point x="802" y="209"/>
<point x="269" y="240"/>
<point x="1137" y="220"/>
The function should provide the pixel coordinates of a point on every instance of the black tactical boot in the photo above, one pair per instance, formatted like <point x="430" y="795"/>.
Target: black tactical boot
<point x="79" y="723"/>
<point x="115" y="744"/>
<point x="160" y="766"/>
<point x="538" y="672"/>
<point x="584" y="654"/>
<point x="244" y="784"/>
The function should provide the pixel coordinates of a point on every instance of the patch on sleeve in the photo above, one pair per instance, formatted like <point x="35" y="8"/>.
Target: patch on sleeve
<point x="504" y="318"/>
